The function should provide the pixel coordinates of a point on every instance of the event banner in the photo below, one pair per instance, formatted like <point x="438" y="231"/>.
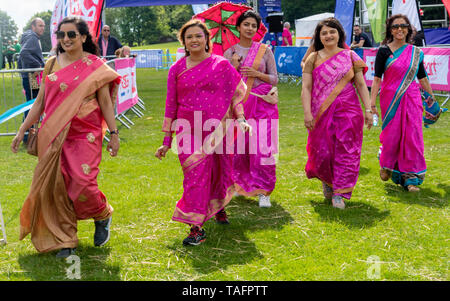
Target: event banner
<point x="408" y="8"/>
<point x="127" y="95"/>
<point x="149" y="58"/>
<point x="288" y="59"/>
<point x="377" y="11"/>
<point x="344" y="12"/>
<point x="436" y="61"/>
<point x="88" y="10"/>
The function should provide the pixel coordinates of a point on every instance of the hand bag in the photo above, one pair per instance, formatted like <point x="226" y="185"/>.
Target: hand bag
<point x="32" y="146"/>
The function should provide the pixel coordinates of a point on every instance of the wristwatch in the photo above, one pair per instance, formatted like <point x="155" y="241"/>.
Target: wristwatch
<point x="116" y="131"/>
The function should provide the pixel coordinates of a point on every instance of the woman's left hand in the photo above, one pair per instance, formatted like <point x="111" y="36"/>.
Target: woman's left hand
<point x="249" y="71"/>
<point x="368" y="119"/>
<point x="113" y="145"/>
<point x="244" y="126"/>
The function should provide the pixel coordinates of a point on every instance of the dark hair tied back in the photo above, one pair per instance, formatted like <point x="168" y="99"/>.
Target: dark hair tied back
<point x="89" y="45"/>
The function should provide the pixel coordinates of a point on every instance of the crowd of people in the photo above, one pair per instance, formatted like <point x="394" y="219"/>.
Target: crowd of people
<point x="223" y="111"/>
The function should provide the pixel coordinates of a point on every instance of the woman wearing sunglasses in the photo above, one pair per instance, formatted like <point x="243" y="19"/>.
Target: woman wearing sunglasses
<point x="402" y="149"/>
<point x="76" y="105"/>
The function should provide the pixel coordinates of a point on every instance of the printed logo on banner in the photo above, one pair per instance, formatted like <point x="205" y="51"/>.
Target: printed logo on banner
<point x="370" y="62"/>
<point x="437" y="68"/>
<point x="127" y="95"/>
<point x="285" y="59"/>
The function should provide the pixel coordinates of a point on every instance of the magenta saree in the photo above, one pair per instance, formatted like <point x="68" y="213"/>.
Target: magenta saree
<point x="254" y="167"/>
<point x="64" y="187"/>
<point x="402" y="150"/>
<point x="334" y="144"/>
<point x="200" y="107"/>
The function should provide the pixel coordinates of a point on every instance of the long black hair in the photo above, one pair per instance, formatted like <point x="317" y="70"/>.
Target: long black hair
<point x="389" y="37"/>
<point x="89" y="45"/>
<point x="333" y="23"/>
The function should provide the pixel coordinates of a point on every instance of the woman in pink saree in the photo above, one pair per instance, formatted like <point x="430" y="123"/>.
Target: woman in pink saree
<point x="333" y="114"/>
<point x="204" y="95"/>
<point x="402" y="149"/>
<point x="254" y="168"/>
<point x="76" y="103"/>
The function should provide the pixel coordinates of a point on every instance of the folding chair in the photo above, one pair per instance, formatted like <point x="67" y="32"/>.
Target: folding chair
<point x="2" y="240"/>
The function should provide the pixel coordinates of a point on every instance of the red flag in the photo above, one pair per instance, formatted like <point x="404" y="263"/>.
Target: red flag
<point x="88" y="10"/>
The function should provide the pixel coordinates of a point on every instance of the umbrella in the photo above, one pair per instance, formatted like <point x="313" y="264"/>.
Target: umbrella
<point x="221" y="21"/>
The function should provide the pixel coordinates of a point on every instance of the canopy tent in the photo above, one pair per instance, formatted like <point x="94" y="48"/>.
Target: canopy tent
<point x="304" y="28"/>
<point x="129" y="3"/>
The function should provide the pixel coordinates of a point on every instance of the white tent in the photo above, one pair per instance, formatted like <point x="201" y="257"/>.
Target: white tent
<point x="304" y="28"/>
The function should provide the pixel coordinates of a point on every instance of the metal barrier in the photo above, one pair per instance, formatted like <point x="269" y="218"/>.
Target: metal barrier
<point x="12" y="96"/>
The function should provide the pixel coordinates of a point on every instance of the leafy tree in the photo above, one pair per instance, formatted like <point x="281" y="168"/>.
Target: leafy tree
<point x="8" y="28"/>
<point x="46" y="16"/>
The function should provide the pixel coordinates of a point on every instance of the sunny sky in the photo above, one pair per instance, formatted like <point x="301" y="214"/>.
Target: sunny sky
<point x="22" y="11"/>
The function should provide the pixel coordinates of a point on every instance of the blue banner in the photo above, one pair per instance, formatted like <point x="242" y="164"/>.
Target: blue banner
<point x="129" y="3"/>
<point x="149" y="58"/>
<point x="344" y="12"/>
<point x="288" y="59"/>
<point x="264" y="8"/>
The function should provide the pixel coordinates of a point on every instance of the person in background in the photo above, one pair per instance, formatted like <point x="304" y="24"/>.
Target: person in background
<point x="361" y="38"/>
<point x="17" y="48"/>
<point x="286" y="36"/>
<point x="125" y="51"/>
<point x="10" y="54"/>
<point x="333" y="114"/>
<point x="397" y="65"/>
<point x="107" y="43"/>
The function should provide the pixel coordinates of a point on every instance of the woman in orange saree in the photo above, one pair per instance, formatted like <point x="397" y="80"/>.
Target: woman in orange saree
<point x="204" y="93"/>
<point x="76" y="104"/>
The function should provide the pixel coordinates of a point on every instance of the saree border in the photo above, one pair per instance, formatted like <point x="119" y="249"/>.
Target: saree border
<point x="404" y="85"/>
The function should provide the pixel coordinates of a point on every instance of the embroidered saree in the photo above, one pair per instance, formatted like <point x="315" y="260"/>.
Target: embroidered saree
<point x="254" y="167"/>
<point x="202" y="103"/>
<point x="402" y="147"/>
<point x="64" y="186"/>
<point x="334" y="144"/>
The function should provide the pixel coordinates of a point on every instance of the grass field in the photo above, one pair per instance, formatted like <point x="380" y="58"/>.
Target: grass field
<point x="298" y="238"/>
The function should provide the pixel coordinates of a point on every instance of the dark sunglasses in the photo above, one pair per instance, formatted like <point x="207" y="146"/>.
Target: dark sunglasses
<point x="70" y="34"/>
<point x="397" y="26"/>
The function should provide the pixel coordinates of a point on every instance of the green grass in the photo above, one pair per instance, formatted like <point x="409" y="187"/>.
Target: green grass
<point x="298" y="238"/>
<point x="172" y="46"/>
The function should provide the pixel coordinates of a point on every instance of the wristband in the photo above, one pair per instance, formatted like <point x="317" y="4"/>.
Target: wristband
<point x="167" y="141"/>
<point x="369" y="111"/>
<point x="115" y="132"/>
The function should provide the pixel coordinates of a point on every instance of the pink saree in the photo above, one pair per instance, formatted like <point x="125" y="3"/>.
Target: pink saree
<point x="334" y="144"/>
<point x="254" y="169"/>
<point x="402" y="150"/>
<point x="201" y="103"/>
<point x="64" y="187"/>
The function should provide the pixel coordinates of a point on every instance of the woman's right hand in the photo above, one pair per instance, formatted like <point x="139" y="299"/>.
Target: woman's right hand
<point x="236" y="60"/>
<point x="309" y="121"/>
<point x="161" y="152"/>
<point x="16" y="141"/>
<point x="374" y="110"/>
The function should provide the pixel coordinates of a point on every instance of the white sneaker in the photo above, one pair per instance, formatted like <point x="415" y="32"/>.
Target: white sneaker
<point x="264" y="201"/>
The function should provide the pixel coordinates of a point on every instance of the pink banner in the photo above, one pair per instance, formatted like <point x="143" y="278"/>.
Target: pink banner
<point x="436" y="61"/>
<point x="88" y="10"/>
<point x="127" y="95"/>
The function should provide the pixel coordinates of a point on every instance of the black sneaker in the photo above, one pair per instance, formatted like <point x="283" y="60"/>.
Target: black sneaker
<point x="101" y="235"/>
<point x="221" y="217"/>
<point x="196" y="237"/>
<point x="66" y="252"/>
